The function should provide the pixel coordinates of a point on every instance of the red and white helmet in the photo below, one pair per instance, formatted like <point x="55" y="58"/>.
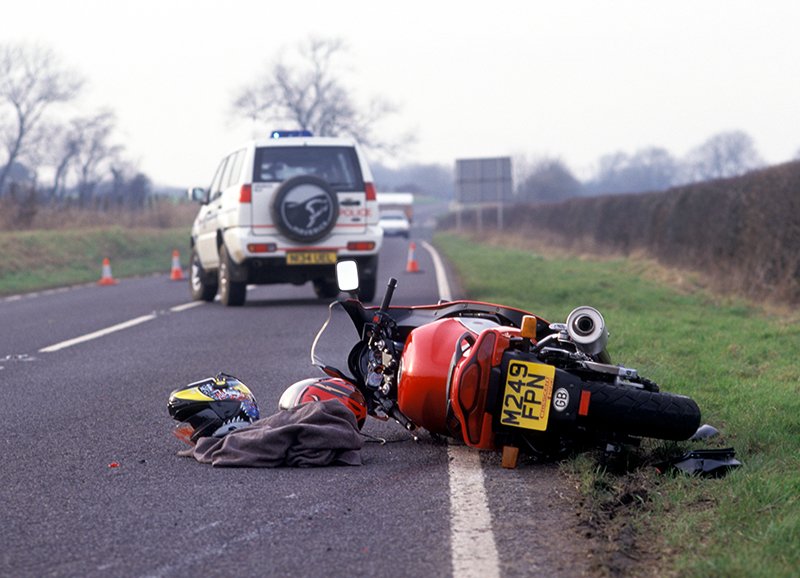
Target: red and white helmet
<point x="319" y="389"/>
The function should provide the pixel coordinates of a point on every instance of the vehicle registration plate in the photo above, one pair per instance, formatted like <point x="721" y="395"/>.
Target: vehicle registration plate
<point x="527" y="393"/>
<point x="311" y="258"/>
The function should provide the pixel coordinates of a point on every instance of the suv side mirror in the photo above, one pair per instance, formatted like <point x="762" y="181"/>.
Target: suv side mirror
<point x="347" y="276"/>
<point x="197" y="194"/>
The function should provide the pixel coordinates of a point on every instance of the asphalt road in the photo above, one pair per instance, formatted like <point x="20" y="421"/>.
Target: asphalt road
<point x="91" y="485"/>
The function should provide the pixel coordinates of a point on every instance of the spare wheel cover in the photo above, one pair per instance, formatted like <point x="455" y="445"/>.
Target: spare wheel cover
<point x="305" y="208"/>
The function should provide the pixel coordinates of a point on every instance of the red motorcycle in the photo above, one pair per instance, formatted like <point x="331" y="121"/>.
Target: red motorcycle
<point x="495" y="376"/>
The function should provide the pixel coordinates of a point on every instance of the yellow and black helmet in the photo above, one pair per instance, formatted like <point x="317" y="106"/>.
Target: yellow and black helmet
<point x="212" y="407"/>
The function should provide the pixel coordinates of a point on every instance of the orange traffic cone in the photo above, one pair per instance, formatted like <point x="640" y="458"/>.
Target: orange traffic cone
<point x="106" y="278"/>
<point x="411" y="265"/>
<point x="177" y="272"/>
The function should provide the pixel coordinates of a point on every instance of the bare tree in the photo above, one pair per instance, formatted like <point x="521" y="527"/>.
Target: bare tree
<point x="64" y="141"/>
<point x="31" y="80"/>
<point x="726" y="154"/>
<point x="649" y="169"/>
<point x="94" y="151"/>
<point x="129" y="187"/>
<point x="308" y="93"/>
<point x="549" y="180"/>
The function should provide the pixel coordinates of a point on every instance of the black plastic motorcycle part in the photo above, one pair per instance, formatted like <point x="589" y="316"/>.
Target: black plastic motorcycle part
<point x="707" y="463"/>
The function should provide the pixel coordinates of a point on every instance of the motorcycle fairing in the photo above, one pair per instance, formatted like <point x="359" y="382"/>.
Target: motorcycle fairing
<point x="425" y="369"/>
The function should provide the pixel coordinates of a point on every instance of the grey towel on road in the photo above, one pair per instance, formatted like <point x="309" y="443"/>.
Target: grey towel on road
<point x="318" y="433"/>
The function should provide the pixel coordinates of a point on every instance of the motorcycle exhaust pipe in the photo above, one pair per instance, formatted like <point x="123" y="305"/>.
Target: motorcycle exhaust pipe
<point x="587" y="329"/>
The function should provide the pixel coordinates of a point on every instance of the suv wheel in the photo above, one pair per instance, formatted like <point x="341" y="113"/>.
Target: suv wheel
<point x="305" y="209"/>
<point x="367" y="278"/>
<point x="202" y="285"/>
<point x="368" y="284"/>
<point x="326" y="288"/>
<point x="231" y="293"/>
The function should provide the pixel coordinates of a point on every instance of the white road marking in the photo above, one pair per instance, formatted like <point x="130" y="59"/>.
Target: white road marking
<point x="472" y="546"/>
<point x="185" y="306"/>
<point x="115" y="328"/>
<point x="473" y="549"/>
<point x="441" y="273"/>
<point x="96" y="334"/>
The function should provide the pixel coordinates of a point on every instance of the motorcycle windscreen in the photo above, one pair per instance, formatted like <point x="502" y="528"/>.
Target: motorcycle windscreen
<point x="333" y="342"/>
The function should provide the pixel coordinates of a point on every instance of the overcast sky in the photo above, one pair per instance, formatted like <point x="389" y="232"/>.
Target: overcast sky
<point x="566" y="79"/>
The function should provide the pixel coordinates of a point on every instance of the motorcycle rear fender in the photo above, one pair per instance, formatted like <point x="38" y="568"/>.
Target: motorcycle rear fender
<point x="474" y="375"/>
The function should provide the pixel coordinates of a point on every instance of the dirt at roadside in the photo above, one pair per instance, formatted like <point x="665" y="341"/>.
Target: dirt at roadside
<point x="621" y="546"/>
<point x="561" y="532"/>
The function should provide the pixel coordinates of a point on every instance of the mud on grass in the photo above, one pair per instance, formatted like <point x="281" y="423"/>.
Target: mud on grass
<point x="619" y="500"/>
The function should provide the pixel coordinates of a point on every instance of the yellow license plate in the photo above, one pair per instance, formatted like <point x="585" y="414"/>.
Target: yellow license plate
<point x="526" y="398"/>
<point x="311" y="258"/>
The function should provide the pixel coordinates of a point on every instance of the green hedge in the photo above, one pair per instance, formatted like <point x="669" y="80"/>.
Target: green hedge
<point x="742" y="233"/>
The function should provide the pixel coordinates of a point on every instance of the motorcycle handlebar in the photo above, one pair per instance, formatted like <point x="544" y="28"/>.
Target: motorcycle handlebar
<point x="387" y="298"/>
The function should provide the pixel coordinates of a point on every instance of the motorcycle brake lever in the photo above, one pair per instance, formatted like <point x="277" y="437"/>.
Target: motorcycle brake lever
<point x="401" y="418"/>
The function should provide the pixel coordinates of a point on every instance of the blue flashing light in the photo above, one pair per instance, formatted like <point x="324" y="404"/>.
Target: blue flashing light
<point x="290" y="133"/>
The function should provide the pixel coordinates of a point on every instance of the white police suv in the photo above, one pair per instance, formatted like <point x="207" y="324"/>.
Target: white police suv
<point x="284" y="210"/>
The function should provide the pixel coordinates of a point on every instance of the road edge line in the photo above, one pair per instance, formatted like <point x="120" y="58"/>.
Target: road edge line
<point x="441" y="273"/>
<point x="473" y="549"/>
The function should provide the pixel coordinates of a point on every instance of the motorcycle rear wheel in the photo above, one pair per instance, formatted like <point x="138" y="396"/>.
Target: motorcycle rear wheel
<point x="638" y="412"/>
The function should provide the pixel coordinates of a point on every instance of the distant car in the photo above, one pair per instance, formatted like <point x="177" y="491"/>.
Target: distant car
<point x="395" y="223"/>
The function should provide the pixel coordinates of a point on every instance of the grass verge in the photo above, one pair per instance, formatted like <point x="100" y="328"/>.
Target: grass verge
<point x="738" y="362"/>
<point x="34" y="260"/>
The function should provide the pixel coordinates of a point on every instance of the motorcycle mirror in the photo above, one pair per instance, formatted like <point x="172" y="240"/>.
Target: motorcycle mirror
<point x="347" y="276"/>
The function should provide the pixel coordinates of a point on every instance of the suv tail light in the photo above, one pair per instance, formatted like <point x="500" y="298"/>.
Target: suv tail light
<point x="246" y="194"/>
<point x="262" y="247"/>
<point x="360" y="245"/>
<point x="369" y="189"/>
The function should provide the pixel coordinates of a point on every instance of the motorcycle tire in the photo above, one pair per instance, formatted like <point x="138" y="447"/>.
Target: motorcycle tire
<point x="638" y="412"/>
<point x="325" y="288"/>
<point x="368" y="288"/>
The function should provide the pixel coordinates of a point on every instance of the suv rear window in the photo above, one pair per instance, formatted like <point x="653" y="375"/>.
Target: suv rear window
<point x="336" y="165"/>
